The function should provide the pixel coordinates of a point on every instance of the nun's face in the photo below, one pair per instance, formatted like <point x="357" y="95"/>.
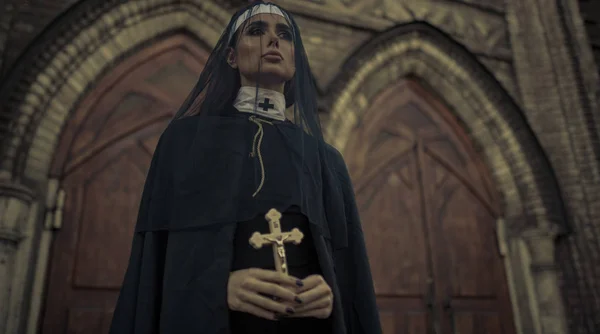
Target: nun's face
<point x="265" y="46"/>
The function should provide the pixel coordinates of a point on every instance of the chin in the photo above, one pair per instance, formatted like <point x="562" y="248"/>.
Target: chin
<point x="269" y="78"/>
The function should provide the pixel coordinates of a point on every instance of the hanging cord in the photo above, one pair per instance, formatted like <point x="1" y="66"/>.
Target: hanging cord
<point x="256" y="149"/>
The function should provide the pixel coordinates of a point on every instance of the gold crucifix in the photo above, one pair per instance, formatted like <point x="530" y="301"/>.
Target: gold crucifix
<point x="277" y="239"/>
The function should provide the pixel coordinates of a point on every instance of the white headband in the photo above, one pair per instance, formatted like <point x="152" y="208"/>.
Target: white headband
<point x="250" y="12"/>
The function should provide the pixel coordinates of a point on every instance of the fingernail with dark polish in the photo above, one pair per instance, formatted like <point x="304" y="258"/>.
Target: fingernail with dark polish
<point x="298" y="300"/>
<point x="299" y="283"/>
<point x="289" y="310"/>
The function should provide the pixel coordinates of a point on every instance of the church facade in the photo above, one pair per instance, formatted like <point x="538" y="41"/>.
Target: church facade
<point x="470" y="129"/>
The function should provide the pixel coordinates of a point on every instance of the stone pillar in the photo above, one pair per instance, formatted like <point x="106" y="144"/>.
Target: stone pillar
<point x="547" y="297"/>
<point x="15" y="202"/>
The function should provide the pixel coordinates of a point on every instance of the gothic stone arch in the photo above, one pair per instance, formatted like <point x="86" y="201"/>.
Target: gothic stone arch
<point x="67" y="60"/>
<point x="92" y="38"/>
<point x="532" y="214"/>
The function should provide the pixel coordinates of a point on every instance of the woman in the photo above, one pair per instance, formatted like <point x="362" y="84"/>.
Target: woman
<point x="230" y="156"/>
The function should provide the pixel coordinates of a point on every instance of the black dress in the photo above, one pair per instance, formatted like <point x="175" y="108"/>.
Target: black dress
<point x="198" y="201"/>
<point x="302" y="262"/>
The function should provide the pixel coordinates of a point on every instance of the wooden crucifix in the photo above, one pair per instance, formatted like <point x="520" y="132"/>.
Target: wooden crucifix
<point x="277" y="239"/>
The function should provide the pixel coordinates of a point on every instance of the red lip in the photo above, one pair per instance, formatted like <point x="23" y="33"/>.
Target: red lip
<point x="273" y="53"/>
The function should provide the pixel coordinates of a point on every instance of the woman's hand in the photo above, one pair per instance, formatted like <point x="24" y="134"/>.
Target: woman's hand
<point x="247" y="288"/>
<point x="316" y="297"/>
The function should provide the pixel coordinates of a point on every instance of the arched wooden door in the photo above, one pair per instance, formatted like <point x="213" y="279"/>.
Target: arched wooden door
<point x="428" y="214"/>
<point x="102" y="159"/>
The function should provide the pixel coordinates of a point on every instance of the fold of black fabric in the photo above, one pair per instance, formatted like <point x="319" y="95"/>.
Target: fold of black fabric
<point x="198" y="192"/>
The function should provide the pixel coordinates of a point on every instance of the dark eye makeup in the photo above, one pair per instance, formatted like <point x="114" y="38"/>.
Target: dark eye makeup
<point x="258" y="28"/>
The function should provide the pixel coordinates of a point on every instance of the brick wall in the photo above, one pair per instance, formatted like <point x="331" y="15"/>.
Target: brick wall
<point x="576" y="255"/>
<point x="579" y="253"/>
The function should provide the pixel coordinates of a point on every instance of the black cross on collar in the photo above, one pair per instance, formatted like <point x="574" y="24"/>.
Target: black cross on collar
<point x="266" y="105"/>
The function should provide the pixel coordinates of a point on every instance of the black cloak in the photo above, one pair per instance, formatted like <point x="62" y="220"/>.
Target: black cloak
<point x="194" y="195"/>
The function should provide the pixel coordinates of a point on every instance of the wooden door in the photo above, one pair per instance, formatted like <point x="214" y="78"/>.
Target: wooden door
<point x="428" y="214"/>
<point x="102" y="160"/>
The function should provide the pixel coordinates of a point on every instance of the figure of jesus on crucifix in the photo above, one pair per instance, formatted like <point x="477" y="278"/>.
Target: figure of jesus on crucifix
<point x="277" y="239"/>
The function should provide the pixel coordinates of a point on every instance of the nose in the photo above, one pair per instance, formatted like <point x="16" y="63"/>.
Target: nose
<point x="273" y="39"/>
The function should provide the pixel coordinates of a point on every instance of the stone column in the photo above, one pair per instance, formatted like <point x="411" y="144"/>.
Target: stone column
<point x="15" y="202"/>
<point x="547" y="297"/>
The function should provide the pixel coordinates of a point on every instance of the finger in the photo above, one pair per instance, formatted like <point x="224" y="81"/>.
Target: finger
<point x="323" y="302"/>
<point x="257" y="311"/>
<point x="270" y="289"/>
<point x="265" y="303"/>
<point x="311" y="282"/>
<point x="316" y="293"/>
<point x="276" y="277"/>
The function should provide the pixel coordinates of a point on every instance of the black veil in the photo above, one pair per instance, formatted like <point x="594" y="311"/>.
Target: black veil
<point x="219" y="83"/>
<point x="212" y="182"/>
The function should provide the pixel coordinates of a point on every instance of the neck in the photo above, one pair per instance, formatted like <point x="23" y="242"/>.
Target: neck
<point x="278" y="87"/>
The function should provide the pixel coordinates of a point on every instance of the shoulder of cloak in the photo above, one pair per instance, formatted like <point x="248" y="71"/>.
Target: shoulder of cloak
<point x="338" y="164"/>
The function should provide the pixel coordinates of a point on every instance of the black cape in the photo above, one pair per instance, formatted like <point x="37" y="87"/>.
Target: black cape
<point x="199" y="185"/>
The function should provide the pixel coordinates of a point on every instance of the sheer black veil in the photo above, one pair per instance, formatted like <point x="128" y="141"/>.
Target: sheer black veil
<point x="219" y="83"/>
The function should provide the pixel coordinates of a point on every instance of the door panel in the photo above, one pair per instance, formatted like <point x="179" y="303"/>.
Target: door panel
<point x="428" y="212"/>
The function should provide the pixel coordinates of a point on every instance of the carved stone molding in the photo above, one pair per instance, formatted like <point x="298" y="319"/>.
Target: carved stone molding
<point x="498" y="6"/>
<point x="481" y="30"/>
<point x="504" y="72"/>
